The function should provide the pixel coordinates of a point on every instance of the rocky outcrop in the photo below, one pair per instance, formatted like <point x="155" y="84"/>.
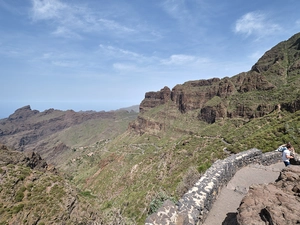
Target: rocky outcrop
<point x="30" y="159"/>
<point x="34" y="160"/>
<point x="153" y="99"/>
<point x="142" y="125"/>
<point x="292" y="106"/>
<point x="211" y="113"/>
<point x="194" y="94"/>
<point x="275" y="203"/>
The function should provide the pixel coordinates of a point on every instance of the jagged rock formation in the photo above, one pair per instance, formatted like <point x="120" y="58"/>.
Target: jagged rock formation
<point x="32" y="192"/>
<point x="32" y="159"/>
<point x="275" y="203"/>
<point x="271" y="82"/>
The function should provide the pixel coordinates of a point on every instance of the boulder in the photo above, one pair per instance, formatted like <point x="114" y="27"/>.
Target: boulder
<point x="274" y="203"/>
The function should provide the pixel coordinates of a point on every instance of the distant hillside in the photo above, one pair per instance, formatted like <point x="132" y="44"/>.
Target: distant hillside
<point x="134" y="108"/>
<point x="53" y="131"/>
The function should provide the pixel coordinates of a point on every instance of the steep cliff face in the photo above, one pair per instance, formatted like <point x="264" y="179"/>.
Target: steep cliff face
<point x="271" y="81"/>
<point x="153" y="99"/>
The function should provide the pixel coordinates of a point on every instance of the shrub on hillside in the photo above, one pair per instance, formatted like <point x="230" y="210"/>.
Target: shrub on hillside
<point x="157" y="202"/>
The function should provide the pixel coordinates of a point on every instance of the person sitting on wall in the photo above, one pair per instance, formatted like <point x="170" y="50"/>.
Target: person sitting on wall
<point x="286" y="154"/>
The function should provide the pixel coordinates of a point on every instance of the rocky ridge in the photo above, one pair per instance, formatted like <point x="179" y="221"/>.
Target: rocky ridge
<point x="42" y="132"/>
<point x="31" y="126"/>
<point x="246" y="95"/>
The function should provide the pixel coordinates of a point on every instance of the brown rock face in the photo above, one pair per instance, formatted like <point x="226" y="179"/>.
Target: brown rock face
<point x="194" y="94"/>
<point x="211" y="113"/>
<point x="254" y="81"/>
<point x="275" y="203"/>
<point x="153" y="99"/>
<point x="141" y="126"/>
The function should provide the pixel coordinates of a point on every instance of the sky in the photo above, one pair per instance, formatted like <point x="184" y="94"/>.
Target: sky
<point x="105" y="55"/>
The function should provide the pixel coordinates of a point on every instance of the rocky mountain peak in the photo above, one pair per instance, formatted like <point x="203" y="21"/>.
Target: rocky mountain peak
<point x="23" y="113"/>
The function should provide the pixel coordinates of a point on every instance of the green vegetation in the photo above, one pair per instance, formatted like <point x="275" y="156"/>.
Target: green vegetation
<point x="19" y="195"/>
<point x="17" y="208"/>
<point x="157" y="202"/>
<point x="87" y="194"/>
<point x="37" y="193"/>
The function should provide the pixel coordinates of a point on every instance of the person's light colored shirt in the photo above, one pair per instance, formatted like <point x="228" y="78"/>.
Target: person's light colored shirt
<point x="285" y="155"/>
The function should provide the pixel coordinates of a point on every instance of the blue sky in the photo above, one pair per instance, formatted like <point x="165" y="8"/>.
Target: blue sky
<point x="105" y="55"/>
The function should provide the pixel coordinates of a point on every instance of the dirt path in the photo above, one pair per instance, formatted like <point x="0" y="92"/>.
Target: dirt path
<point x="224" y="210"/>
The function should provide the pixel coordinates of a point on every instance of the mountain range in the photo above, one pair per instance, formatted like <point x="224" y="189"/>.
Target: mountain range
<point x="128" y="163"/>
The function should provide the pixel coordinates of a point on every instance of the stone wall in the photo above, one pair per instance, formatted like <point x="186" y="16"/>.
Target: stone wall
<point x="194" y="206"/>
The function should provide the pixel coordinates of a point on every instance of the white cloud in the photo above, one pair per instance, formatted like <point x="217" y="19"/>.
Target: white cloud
<point x="183" y="60"/>
<point x="190" y="13"/>
<point x="65" y="63"/>
<point x="255" y="23"/>
<point x="58" y="58"/>
<point x="125" y="67"/>
<point x="70" y="20"/>
<point x="47" y="9"/>
<point x="113" y="25"/>
<point x="65" y="32"/>
<point x="175" y="8"/>
<point x="120" y="53"/>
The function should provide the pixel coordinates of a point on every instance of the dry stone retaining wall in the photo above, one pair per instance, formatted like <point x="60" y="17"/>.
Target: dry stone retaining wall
<point x="194" y="206"/>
